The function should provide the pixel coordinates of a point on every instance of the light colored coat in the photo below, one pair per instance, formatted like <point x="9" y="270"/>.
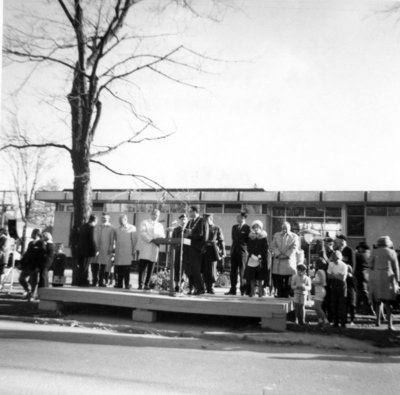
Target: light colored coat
<point x="385" y="274"/>
<point x="105" y="236"/>
<point x="287" y="245"/>
<point x="125" y="243"/>
<point x="149" y="230"/>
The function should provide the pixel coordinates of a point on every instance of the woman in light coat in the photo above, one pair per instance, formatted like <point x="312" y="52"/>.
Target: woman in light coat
<point x="125" y="244"/>
<point x="150" y="231"/>
<point x="384" y="278"/>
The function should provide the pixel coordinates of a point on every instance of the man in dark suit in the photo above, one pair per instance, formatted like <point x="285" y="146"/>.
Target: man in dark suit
<point x="86" y="249"/>
<point x="195" y="232"/>
<point x="240" y="238"/>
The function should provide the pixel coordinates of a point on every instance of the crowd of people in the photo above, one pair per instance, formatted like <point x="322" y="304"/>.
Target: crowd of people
<point x="344" y="281"/>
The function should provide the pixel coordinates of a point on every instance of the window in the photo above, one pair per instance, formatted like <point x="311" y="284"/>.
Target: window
<point x="232" y="208"/>
<point x="314" y="212"/>
<point x="393" y="211"/>
<point x="355" y="210"/>
<point x="295" y="211"/>
<point x="278" y="211"/>
<point x="252" y="208"/>
<point x="112" y="207"/>
<point x="98" y="206"/>
<point x="264" y="209"/>
<point x="376" y="211"/>
<point x="178" y="208"/>
<point x="128" y="207"/>
<point x="355" y="221"/>
<point x="214" y="208"/>
<point x="335" y="212"/>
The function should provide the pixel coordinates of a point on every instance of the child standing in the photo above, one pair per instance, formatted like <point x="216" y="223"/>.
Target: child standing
<point x="319" y="282"/>
<point x="58" y="267"/>
<point x="301" y="285"/>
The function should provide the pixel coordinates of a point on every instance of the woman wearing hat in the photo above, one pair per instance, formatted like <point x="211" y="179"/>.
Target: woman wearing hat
<point x="257" y="269"/>
<point x="385" y="277"/>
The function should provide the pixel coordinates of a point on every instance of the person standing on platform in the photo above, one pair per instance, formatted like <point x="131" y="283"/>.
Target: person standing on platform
<point x="239" y="254"/>
<point x="257" y="270"/>
<point x="213" y="251"/>
<point x="105" y="236"/>
<point x="125" y="244"/>
<point x="87" y="250"/>
<point x="195" y="232"/>
<point x="181" y="252"/>
<point x="150" y="230"/>
<point x="285" y="245"/>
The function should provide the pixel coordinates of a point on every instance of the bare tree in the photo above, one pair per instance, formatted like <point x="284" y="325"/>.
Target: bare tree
<point x="27" y="169"/>
<point x="81" y="40"/>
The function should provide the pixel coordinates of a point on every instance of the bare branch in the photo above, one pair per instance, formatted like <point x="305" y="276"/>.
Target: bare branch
<point x="37" y="57"/>
<point x="131" y="140"/>
<point x="145" y="180"/>
<point x="141" y="67"/>
<point x="67" y="13"/>
<point x="174" y="79"/>
<point x="34" y="145"/>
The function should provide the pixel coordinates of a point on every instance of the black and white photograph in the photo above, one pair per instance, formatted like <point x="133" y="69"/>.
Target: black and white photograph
<point x="200" y="197"/>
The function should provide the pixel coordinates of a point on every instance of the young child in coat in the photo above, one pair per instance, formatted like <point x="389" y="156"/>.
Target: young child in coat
<point x="301" y="285"/>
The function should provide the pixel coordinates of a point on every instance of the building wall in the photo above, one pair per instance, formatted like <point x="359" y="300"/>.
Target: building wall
<point x="382" y="226"/>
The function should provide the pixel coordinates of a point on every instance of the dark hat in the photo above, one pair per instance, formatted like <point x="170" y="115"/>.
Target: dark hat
<point x="342" y="237"/>
<point x="243" y="214"/>
<point x="207" y="215"/>
<point x="301" y="266"/>
<point x="92" y="218"/>
<point x="363" y="245"/>
<point x="105" y="213"/>
<point x="182" y="216"/>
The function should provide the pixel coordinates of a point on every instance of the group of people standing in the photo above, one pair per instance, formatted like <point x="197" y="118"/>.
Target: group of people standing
<point x="259" y="265"/>
<point x="100" y="247"/>
<point x="344" y="281"/>
<point x="366" y="280"/>
<point x="36" y="262"/>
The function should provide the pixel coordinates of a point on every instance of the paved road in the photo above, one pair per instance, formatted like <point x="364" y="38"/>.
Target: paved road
<point x="47" y="359"/>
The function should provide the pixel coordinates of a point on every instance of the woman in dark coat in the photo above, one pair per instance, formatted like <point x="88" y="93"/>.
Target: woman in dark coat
<point x="32" y="259"/>
<point x="48" y="260"/>
<point x="384" y="279"/>
<point x="86" y="249"/>
<point x="213" y="251"/>
<point x="257" y="270"/>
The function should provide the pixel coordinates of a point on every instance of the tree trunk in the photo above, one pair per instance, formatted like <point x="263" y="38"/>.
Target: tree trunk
<point x="82" y="195"/>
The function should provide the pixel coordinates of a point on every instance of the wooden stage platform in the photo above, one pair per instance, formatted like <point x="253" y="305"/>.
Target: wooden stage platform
<point x="145" y="304"/>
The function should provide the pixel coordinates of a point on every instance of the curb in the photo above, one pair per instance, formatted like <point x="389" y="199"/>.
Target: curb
<point x="334" y="343"/>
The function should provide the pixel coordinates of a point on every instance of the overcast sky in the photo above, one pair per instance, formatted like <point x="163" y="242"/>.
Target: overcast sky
<point x="307" y="97"/>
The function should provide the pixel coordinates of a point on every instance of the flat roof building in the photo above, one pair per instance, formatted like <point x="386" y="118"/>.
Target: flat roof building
<point x="360" y="215"/>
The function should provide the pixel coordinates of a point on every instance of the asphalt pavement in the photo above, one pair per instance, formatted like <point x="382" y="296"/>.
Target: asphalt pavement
<point x="363" y="337"/>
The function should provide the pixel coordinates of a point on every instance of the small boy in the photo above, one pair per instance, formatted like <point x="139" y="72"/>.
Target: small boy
<point x="301" y="285"/>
